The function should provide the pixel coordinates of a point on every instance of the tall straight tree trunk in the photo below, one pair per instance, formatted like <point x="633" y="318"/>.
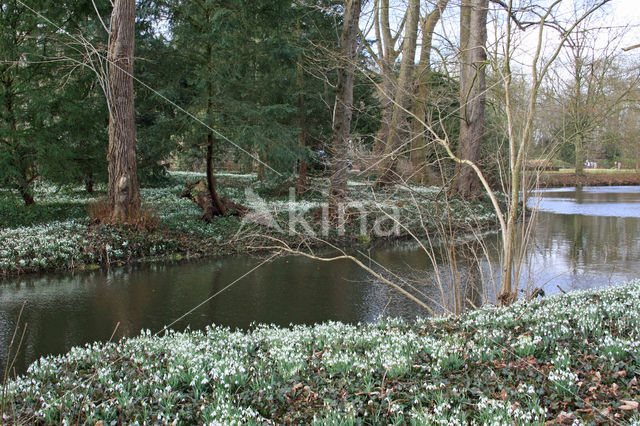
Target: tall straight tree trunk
<point x="403" y="95"/>
<point x="124" y="192"/>
<point x="473" y="57"/>
<point x="386" y="58"/>
<point x="386" y="108"/>
<point x="218" y="206"/>
<point x="302" y="122"/>
<point x="419" y="137"/>
<point x="344" y="106"/>
<point x="24" y="187"/>
<point x="579" y="120"/>
<point x="302" y="166"/>
<point x="88" y="182"/>
<point x="579" y="152"/>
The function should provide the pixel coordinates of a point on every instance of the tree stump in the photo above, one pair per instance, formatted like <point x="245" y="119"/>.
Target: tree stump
<point x="198" y="192"/>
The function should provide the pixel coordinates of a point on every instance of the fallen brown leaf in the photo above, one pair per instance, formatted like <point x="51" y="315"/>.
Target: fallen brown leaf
<point x="564" y="417"/>
<point x="629" y="405"/>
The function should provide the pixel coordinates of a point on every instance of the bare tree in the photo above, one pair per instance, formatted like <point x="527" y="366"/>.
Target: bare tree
<point x="344" y="104"/>
<point x="124" y="191"/>
<point x="401" y="85"/>
<point x="519" y="103"/>
<point x="423" y="70"/>
<point x="402" y="95"/>
<point x="519" y="122"/>
<point x="583" y="86"/>
<point x="385" y="55"/>
<point x="473" y="61"/>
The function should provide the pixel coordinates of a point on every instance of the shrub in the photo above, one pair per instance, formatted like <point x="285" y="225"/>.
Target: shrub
<point x="143" y="219"/>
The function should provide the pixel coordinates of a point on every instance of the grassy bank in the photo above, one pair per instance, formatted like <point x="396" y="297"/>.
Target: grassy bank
<point x="566" y="358"/>
<point x="592" y="177"/>
<point x="56" y="233"/>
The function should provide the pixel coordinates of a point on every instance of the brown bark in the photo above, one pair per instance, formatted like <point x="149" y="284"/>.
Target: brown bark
<point x="402" y="96"/>
<point x="386" y="58"/>
<point x="88" y="183"/>
<point x="26" y="195"/>
<point x="302" y="136"/>
<point x="473" y="40"/>
<point x="343" y="106"/>
<point x="302" y="180"/>
<point x="261" y="169"/>
<point x="419" y="137"/>
<point x="219" y="209"/>
<point x="199" y="193"/>
<point x="577" y="113"/>
<point x="579" y="152"/>
<point x="124" y="192"/>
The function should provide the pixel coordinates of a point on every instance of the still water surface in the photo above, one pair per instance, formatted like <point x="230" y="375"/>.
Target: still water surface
<point x="583" y="238"/>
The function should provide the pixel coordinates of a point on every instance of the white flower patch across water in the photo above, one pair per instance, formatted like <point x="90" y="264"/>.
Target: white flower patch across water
<point x="56" y="243"/>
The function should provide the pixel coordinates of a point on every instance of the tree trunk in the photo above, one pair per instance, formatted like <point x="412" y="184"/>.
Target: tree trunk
<point x="402" y="96"/>
<point x="473" y="40"/>
<point x="386" y="94"/>
<point x="88" y="183"/>
<point x="27" y="196"/>
<point x="344" y="106"/>
<point x="261" y="173"/>
<point x="124" y="192"/>
<point x="219" y="207"/>
<point x="580" y="126"/>
<point x="198" y="192"/>
<point x="579" y="152"/>
<point x="419" y="138"/>
<point x="302" y="136"/>
<point x="386" y="58"/>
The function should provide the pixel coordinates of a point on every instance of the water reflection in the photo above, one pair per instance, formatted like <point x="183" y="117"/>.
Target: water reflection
<point x="583" y="238"/>
<point x="586" y="237"/>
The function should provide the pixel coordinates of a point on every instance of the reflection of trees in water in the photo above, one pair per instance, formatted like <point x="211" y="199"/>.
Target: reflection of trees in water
<point x="588" y="240"/>
<point x="460" y="276"/>
<point x="55" y="314"/>
<point x="577" y="241"/>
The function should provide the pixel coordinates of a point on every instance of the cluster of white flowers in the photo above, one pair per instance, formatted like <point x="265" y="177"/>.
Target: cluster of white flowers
<point x="564" y="380"/>
<point x="55" y="244"/>
<point x="615" y="348"/>
<point x="47" y="193"/>
<point x="526" y="345"/>
<point x="498" y="412"/>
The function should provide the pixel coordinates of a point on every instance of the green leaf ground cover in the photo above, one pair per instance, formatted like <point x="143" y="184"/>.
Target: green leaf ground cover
<point x="568" y="358"/>
<point x="56" y="233"/>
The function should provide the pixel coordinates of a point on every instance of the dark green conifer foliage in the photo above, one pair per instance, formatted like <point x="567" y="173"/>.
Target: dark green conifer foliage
<point x="23" y="43"/>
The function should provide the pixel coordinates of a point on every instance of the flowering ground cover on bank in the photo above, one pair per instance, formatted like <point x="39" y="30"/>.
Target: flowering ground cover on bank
<point x="56" y="233"/>
<point x="571" y="358"/>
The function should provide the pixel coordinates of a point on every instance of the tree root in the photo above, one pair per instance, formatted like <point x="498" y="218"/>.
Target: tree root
<point x="199" y="194"/>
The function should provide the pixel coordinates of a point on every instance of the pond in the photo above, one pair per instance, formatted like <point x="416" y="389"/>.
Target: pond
<point x="583" y="238"/>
